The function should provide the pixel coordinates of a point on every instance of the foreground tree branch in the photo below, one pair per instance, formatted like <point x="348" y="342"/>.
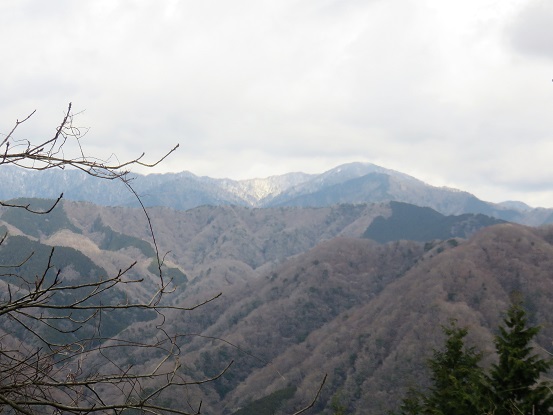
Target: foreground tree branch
<point x="53" y="355"/>
<point x="58" y="354"/>
<point x="49" y="153"/>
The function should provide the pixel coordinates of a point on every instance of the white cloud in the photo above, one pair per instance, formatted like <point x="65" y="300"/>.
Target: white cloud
<point x="453" y="92"/>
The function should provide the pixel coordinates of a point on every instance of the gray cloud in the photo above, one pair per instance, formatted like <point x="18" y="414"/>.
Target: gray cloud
<point x="531" y="31"/>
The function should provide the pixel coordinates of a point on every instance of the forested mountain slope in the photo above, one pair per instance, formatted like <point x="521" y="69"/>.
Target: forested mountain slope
<point x="303" y="293"/>
<point x="370" y="315"/>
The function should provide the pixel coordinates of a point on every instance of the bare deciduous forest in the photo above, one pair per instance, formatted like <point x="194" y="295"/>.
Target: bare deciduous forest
<point x="228" y="309"/>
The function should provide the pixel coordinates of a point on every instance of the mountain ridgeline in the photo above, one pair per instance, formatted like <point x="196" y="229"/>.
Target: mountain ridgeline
<point x="422" y="224"/>
<point x="349" y="274"/>
<point x="350" y="183"/>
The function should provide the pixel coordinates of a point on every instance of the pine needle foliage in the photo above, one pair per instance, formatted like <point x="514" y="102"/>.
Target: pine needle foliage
<point x="512" y="386"/>
<point x="456" y="379"/>
<point x="515" y="380"/>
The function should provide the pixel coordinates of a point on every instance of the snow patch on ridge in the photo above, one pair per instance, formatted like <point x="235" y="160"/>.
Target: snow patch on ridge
<point x="256" y="190"/>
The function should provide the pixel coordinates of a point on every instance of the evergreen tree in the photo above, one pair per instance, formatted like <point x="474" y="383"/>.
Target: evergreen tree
<point x="412" y="404"/>
<point x="515" y="386"/>
<point x="456" y="377"/>
<point x="456" y="380"/>
<point x="512" y="387"/>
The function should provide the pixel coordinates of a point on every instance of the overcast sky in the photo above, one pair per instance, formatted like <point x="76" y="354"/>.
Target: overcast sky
<point x="455" y="93"/>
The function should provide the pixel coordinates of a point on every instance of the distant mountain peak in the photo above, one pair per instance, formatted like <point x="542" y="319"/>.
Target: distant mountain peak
<point x="350" y="183"/>
<point x="517" y="205"/>
<point x="256" y="190"/>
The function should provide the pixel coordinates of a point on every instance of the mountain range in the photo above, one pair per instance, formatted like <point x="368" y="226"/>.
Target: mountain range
<point x="340" y="274"/>
<point x="307" y="291"/>
<point x="350" y="183"/>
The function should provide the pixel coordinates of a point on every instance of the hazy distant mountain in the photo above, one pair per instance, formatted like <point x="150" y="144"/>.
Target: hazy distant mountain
<point x="349" y="183"/>
<point x="516" y="205"/>
<point x="363" y="182"/>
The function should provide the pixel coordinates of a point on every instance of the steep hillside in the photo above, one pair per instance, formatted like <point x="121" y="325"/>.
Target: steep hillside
<point x="229" y="241"/>
<point x="232" y="243"/>
<point x="303" y="293"/>
<point x="368" y="315"/>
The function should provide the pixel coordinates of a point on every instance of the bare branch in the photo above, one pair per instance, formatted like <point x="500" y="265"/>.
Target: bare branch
<point x="28" y="208"/>
<point x="301" y="411"/>
<point x="59" y="356"/>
